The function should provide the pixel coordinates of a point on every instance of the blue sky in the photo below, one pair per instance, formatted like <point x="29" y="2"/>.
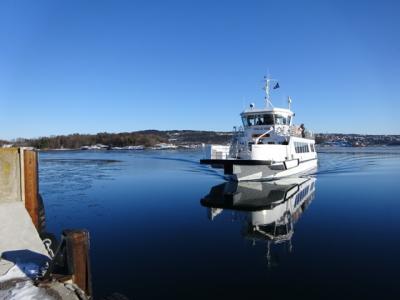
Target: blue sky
<point x="93" y="66"/>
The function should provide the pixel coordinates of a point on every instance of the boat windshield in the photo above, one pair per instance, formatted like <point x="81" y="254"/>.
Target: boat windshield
<point x="282" y="120"/>
<point x="265" y="119"/>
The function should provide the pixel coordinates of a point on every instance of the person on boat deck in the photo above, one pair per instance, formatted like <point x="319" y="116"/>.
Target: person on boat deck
<point x="303" y="130"/>
<point x="259" y="121"/>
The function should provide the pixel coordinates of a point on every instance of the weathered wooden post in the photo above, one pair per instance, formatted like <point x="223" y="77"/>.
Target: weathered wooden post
<point x="71" y="262"/>
<point x="77" y="246"/>
<point x="31" y="185"/>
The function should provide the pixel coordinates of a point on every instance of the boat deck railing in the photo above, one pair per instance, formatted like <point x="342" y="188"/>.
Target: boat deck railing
<point x="295" y="131"/>
<point x="298" y="132"/>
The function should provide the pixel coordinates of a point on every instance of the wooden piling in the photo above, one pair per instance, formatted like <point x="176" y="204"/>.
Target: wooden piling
<point x="77" y="243"/>
<point x="31" y="184"/>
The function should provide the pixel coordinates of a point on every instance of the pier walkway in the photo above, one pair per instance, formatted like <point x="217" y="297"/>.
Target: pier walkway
<point x="23" y="256"/>
<point x="20" y="244"/>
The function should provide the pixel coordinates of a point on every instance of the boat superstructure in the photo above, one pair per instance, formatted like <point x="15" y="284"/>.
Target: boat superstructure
<point x="267" y="146"/>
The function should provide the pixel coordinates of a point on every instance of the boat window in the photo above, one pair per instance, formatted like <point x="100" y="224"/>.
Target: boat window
<point x="268" y="119"/>
<point x="244" y="120"/>
<point x="249" y="121"/>
<point x="264" y="119"/>
<point x="301" y="147"/>
<point x="281" y="120"/>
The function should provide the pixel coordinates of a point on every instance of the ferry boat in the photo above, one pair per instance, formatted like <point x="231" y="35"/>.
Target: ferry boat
<point x="268" y="145"/>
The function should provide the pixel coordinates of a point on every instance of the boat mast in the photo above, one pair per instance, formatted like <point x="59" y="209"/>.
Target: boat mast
<point x="266" y="89"/>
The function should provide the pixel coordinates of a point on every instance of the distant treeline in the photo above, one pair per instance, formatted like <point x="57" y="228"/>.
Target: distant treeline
<point x="147" y="138"/>
<point x="367" y="139"/>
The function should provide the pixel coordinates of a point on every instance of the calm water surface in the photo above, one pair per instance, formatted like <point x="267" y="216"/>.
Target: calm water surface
<point x="159" y="231"/>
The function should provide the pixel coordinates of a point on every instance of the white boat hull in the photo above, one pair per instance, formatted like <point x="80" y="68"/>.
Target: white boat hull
<point x="265" y="172"/>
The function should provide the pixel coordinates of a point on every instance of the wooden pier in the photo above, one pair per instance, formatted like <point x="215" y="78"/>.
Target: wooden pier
<point x="26" y="265"/>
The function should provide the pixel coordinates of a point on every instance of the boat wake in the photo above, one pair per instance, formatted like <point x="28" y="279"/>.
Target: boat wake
<point x="344" y="161"/>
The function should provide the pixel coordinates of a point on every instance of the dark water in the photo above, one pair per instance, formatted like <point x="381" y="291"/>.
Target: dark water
<point x="149" y="215"/>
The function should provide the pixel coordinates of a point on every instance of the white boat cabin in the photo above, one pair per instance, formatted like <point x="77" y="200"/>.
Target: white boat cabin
<point x="268" y="145"/>
<point x="269" y="134"/>
<point x="257" y="122"/>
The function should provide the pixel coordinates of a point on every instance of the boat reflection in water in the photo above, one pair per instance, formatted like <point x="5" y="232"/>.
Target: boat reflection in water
<point x="269" y="209"/>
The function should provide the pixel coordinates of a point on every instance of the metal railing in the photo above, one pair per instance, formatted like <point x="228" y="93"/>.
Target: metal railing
<point x="298" y="132"/>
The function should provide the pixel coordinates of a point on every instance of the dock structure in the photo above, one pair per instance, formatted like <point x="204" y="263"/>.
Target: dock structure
<point x="28" y="268"/>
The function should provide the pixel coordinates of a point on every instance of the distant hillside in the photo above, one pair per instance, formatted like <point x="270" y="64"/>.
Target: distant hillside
<point x="150" y="138"/>
<point x="357" y="140"/>
<point x="147" y="138"/>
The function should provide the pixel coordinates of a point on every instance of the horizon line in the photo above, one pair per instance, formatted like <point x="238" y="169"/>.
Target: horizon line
<point x="165" y="130"/>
